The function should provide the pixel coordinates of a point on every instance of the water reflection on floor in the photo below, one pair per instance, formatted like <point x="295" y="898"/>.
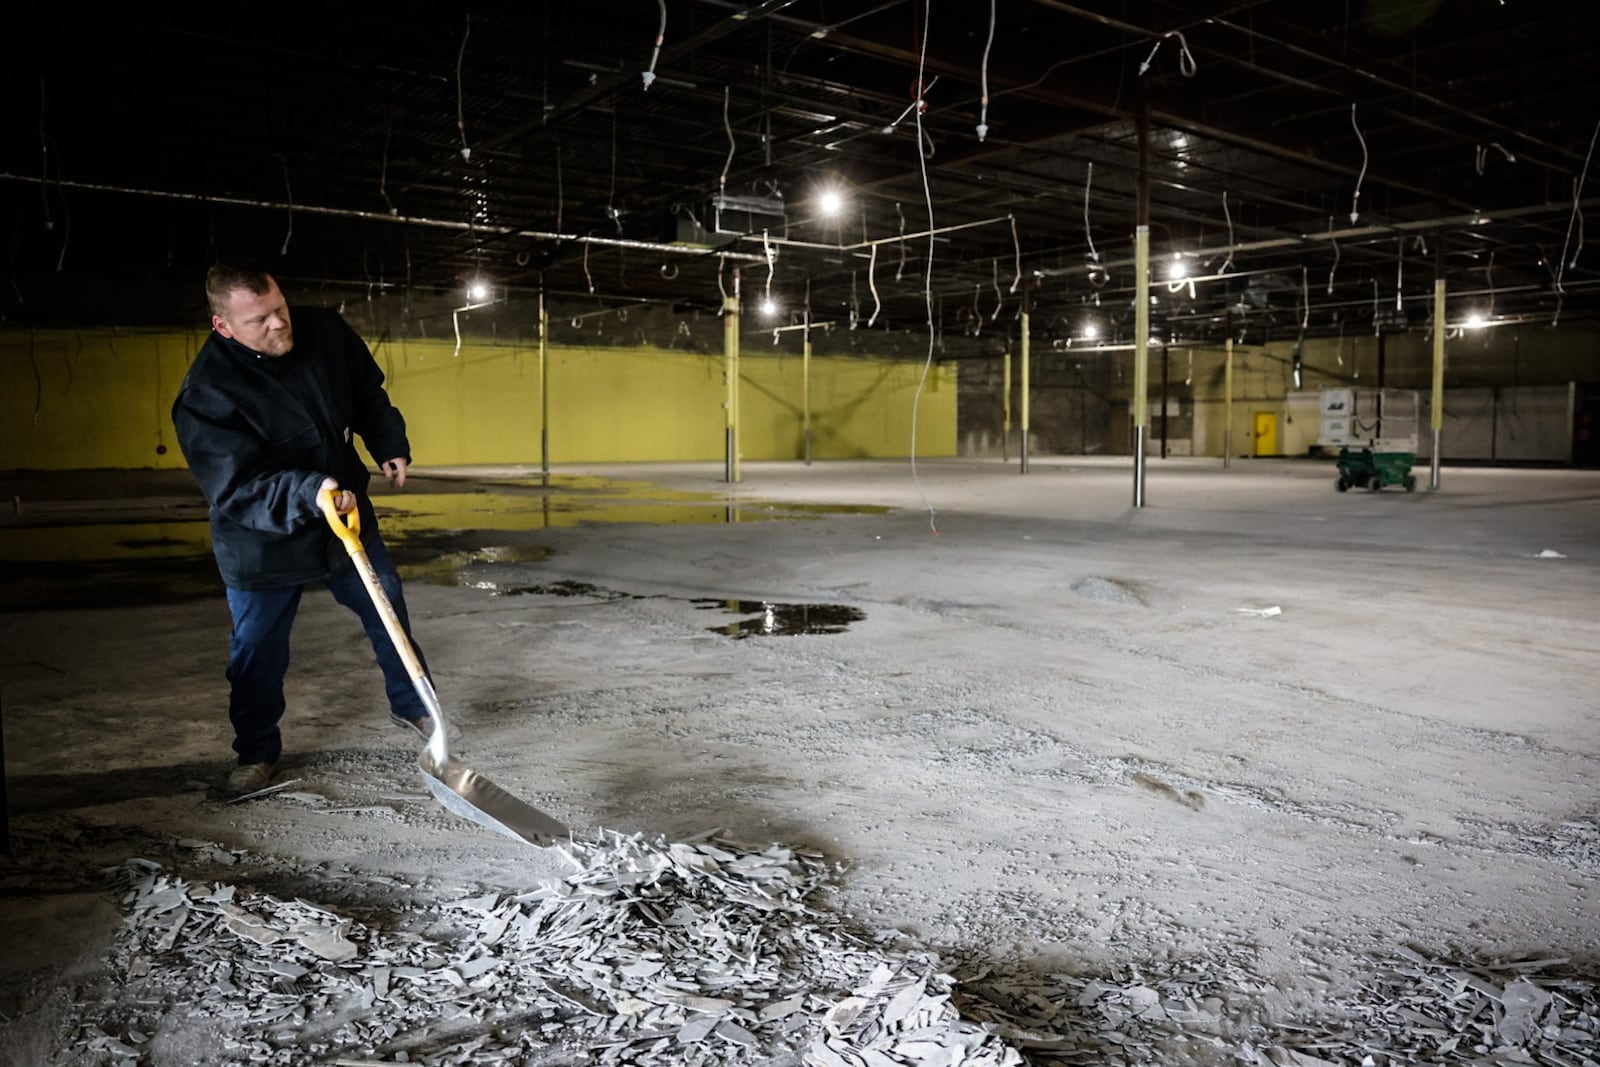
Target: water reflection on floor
<point x="758" y="618"/>
<point x="64" y="553"/>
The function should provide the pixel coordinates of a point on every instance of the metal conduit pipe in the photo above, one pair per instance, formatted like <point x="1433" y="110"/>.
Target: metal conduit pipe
<point x="382" y="216"/>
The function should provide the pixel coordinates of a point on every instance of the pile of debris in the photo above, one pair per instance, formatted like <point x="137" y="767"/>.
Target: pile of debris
<point x="705" y="951"/>
<point x="691" y="952"/>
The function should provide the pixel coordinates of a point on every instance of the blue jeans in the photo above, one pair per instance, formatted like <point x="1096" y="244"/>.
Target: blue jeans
<point x="259" y="653"/>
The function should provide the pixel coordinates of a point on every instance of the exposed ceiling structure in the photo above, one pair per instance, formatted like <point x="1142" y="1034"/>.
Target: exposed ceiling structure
<point x="1313" y="165"/>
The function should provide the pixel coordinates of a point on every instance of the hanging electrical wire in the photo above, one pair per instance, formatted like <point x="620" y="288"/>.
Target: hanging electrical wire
<point x="586" y="275"/>
<point x="1227" y="215"/>
<point x="1355" y="200"/>
<point x="722" y="182"/>
<point x="999" y="301"/>
<point x="1335" y="242"/>
<point x="44" y="161"/>
<point x="1483" y="155"/>
<point x="383" y="172"/>
<point x="289" y="195"/>
<point x="901" y="268"/>
<point x="1577" y="192"/>
<point x="1186" y="63"/>
<point x="561" y="196"/>
<point x="772" y="262"/>
<point x="461" y="108"/>
<point x="655" y="53"/>
<point x="1097" y="274"/>
<point x="872" y="283"/>
<point x="1016" y="252"/>
<point x="983" y="112"/>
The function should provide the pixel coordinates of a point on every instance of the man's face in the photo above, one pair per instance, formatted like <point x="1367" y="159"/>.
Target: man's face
<point x="260" y="322"/>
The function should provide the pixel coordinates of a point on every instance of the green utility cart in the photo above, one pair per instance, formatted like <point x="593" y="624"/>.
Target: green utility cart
<point x="1375" y="431"/>
<point x="1374" y="470"/>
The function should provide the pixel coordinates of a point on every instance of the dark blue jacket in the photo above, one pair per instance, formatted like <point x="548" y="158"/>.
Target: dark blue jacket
<point x="261" y="432"/>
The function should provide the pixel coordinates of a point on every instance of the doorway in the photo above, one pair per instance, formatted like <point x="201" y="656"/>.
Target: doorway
<point x="1266" y="433"/>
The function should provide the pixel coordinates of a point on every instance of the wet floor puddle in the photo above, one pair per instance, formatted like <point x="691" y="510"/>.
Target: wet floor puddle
<point x="754" y="618"/>
<point x="79" y="562"/>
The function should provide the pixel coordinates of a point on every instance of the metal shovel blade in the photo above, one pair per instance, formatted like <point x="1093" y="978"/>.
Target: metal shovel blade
<point x="472" y="796"/>
<point x="461" y="790"/>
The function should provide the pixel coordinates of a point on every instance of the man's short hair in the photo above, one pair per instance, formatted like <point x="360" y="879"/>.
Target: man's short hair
<point x="226" y="275"/>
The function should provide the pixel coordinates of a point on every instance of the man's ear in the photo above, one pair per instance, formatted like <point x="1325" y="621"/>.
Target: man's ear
<point x="221" y="327"/>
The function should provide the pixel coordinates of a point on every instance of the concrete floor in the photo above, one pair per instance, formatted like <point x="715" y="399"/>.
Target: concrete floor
<point x="1054" y="738"/>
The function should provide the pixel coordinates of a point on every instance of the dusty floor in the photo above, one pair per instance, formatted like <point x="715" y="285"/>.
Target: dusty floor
<point x="1051" y="743"/>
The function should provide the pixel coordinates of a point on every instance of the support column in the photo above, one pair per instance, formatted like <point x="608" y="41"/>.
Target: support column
<point x="1227" y="407"/>
<point x="544" y="392"/>
<point x="730" y="346"/>
<point x="1437" y="403"/>
<point x="1005" y="407"/>
<point x="1141" y="357"/>
<point x="805" y="382"/>
<point x="1022" y="448"/>
<point x="1166" y="402"/>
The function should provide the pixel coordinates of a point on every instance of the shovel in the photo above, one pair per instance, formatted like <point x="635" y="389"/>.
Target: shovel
<point x="460" y="789"/>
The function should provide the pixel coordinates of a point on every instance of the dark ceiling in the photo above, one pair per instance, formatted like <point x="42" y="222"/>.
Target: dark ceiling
<point x="1318" y="163"/>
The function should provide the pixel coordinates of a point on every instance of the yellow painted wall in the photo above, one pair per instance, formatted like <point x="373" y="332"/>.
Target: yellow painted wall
<point x="100" y="399"/>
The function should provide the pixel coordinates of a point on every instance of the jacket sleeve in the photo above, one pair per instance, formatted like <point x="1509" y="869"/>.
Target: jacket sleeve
<point x="230" y="462"/>
<point x="375" y="418"/>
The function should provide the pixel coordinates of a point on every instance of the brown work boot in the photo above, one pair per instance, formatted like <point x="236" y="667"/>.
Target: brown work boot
<point x="423" y="725"/>
<point x="248" y="778"/>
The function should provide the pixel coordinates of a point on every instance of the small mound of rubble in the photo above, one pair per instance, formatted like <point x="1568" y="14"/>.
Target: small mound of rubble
<point x="691" y="952"/>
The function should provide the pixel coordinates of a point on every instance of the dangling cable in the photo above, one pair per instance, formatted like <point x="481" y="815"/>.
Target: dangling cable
<point x="872" y="283"/>
<point x="586" y="275"/>
<point x="927" y="280"/>
<point x="1335" y="243"/>
<point x="655" y="53"/>
<point x="1355" y="201"/>
<point x="1399" y="275"/>
<point x="901" y="268"/>
<point x="1305" y="300"/>
<point x="1577" y="191"/>
<point x="1088" y="232"/>
<point x="772" y="262"/>
<point x="561" y="196"/>
<point x="461" y="109"/>
<point x="290" y="194"/>
<point x="999" y="301"/>
<point x="1016" y="251"/>
<point x="611" y="192"/>
<point x="1226" y="214"/>
<point x="721" y="288"/>
<point x="1186" y="63"/>
<point x="383" y="173"/>
<point x="44" y="161"/>
<point x="722" y="182"/>
<point x="983" y="112"/>
<point x="977" y="315"/>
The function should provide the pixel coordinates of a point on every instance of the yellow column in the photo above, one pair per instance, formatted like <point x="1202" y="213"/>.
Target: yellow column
<point x="805" y="383"/>
<point x="1227" y="407"/>
<point x="1437" y="402"/>
<point x="1022" y="449"/>
<point x="1005" y="407"/>
<point x="730" y="344"/>
<point x="544" y="392"/>
<point x="1141" y="357"/>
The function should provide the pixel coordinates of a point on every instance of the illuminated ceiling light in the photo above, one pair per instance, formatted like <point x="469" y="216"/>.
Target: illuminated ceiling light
<point x="1091" y="330"/>
<point x="830" y="202"/>
<point x="1476" y="321"/>
<point x="1177" y="270"/>
<point x="478" y="291"/>
<point x="769" y="307"/>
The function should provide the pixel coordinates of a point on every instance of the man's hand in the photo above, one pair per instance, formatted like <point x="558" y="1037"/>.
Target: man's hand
<point x="344" y="501"/>
<point x="395" y="471"/>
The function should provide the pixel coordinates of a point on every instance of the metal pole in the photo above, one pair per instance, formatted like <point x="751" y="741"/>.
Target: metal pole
<point x="1005" y="407"/>
<point x="1166" y="371"/>
<point x="544" y="392"/>
<point x="1438" y="379"/>
<point x="1227" y="408"/>
<point x="730" y="345"/>
<point x="1026" y="395"/>
<point x="1141" y="357"/>
<point x="805" y="381"/>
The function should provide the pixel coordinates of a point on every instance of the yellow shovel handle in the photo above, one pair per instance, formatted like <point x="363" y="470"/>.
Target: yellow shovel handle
<point x="348" y="527"/>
